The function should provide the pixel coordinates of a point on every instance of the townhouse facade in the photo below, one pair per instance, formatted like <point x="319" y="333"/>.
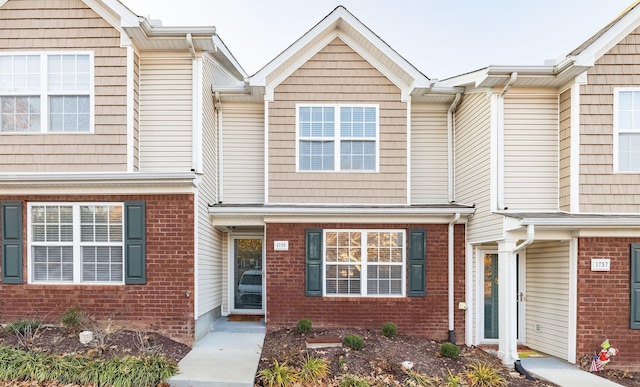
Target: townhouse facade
<point x="145" y="177"/>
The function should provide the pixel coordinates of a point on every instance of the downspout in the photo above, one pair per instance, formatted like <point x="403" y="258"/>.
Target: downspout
<point x="531" y="234"/>
<point x="452" y="333"/>
<point x="500" y="171"/>
<point x="450" y="146"/>
<point x="192" y="49"/>
<point x="218" y="106"/>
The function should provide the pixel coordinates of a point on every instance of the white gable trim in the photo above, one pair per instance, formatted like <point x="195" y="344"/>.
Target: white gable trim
<point x="609" y="39"/>
<point x="330" y="27"/>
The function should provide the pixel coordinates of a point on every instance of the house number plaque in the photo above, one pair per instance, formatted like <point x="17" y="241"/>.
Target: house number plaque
<point x="281" y="245"/>
<point x="600" y="264"/>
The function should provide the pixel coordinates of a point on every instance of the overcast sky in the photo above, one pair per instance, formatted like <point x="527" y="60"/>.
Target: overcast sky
<point x="442" y="38"/>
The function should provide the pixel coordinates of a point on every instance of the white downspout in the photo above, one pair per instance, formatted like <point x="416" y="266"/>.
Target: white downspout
<point x="531" y="234"/>
<point x="452" y="334"/>
<point x="500" y="143"/>
<point x="450" y="149"/>
<point x="218" y="105"/>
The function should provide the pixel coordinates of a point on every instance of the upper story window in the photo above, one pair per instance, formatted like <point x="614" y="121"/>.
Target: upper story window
<point x="49" y="92"/>
<point x="337" y="137"/>
<point x="76" y="243"/>
<point x="627" y="129"/>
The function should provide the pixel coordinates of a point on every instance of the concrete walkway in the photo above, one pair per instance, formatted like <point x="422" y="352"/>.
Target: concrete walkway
<point x="562" y="373"/>
<point x="226" y="357"/>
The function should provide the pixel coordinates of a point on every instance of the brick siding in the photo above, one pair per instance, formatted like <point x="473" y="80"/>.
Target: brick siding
<point x="160" y="304"/>
<point x="425" y="316"/>
<point x="603" y="301"/>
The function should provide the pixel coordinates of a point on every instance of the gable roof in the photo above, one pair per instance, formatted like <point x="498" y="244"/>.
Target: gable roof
<point x="340" y="23"/>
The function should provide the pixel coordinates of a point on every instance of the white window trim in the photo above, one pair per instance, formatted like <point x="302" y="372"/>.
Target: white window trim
<point x="44" y="92"/>
<point x="617" y="131"/>
<point x="337" y="137"/>
<point x="364" y="264"/>
<point x="77" y="244"/>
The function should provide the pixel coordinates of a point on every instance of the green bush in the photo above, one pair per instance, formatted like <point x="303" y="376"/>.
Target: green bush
<point x="313" y="369"/>
<point x="304" y="326"/>
<point x="24" y="327"/>
<point x="389" y="329"/>
<point x="353" y="381"/>
<point x="354" y="342"/>
<point x="82" y="370"/>
<point x="72" y="319"/>
<point x="449" y="350"/>
<point x="483" y="375"/>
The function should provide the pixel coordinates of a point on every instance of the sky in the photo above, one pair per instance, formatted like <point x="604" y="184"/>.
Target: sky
<point x="441" y="38"/>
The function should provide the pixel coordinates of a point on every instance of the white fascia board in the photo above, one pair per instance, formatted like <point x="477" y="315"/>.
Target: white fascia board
<point x="473" y="78"/>
<point x="90" y="178"/>
<point x="609" y="39"/>
<point x="342" y="210"/>
<point x="127" y="17"/>
<point x="585" y="222"/>
<point x="220" y="46"/>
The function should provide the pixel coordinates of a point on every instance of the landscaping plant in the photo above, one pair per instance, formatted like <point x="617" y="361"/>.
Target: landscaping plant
<point x="483" y="375"/>
<point x="279" y="375"/>
<point x="73" y="319"/>
<point x="450" y="350"/>
<point x="415" y="378"/>
<point x="313" y="369"/>
<point x="304" y="326"/>
<point x="354" y="342"/>
<point x="389" y="330"/>
<point x="353" y="381"/>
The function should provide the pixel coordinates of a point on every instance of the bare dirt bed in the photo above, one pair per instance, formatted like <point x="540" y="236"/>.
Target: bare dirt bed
<point x="381" y="358"/>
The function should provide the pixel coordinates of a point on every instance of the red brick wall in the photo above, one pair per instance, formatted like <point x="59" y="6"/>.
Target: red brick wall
<point x="424" y="316"/>
<point x="603" y="301"/>
<point x="160" y="305"/>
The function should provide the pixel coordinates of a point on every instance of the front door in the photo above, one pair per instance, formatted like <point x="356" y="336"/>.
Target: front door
<point x="248" y="275"/>
<point x="490" y="283"/>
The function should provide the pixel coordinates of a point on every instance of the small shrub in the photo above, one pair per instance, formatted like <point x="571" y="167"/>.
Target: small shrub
<point x="415" y="378"/>
<point x="279" y="375"/>
<point x="483" y="375"/>
<point x="450" y="350"/>
<point x="304" y="326"/>
<point x="23" y="327"/>
<point x="73" y="318"/>
<point x="389" y="329"/>
<point x="342" y="363"/>
<point x="354" y="342"/>
<point x="313" y="369"/>
<point x="353" y="381"/>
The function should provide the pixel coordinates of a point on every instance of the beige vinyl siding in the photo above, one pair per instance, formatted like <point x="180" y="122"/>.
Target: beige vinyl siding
<point x="136" y="111"/>
<point x="43" y="26"/>
<point x="338" y="75"/>
<point x="243" y="153"/>
<point x="565" y="151"/>
<point x="473" y="163"/>
<point x="166" y="113"/>
<point x="531" y="152"/>
<point x="600" y="189"/>
<point x="429" y="158"/>
<point x="209" y="257"/>
<point x="547" y="308"/>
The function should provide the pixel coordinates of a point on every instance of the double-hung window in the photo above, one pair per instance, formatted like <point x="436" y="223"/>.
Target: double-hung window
<point x="46" y="92"/>
<point x="627" y="129"/>
<point x="337" y="137"/>
<point x="364" y="263"/>
<point x="76" y="243"/>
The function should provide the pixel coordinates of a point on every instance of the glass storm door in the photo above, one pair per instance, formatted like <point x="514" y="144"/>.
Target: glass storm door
<point x="247" y="275"/>
<point x="490" y="285"/>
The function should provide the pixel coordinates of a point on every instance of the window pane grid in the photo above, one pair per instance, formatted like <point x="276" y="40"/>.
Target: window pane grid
<point x="77" y="243"/>
<point x="351" y="134"/>
<point x="379" y="265"/>
<point x="20" y="114"/>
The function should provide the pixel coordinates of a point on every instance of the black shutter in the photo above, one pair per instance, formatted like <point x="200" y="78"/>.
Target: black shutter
<point x="12" y="242"/>
<point x="313" y="262"/>
<point x="417" y="262"/>
<point x="635" y="287"/>
<point x="134" y="243"/>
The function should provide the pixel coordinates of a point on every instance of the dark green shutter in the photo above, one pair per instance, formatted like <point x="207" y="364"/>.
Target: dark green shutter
<point x="417" y="262"/>
<point x="134" y="243"/>
<point x="313" y="261"/>
<point x="12" y="242"/>
<point x="635" y="286"/>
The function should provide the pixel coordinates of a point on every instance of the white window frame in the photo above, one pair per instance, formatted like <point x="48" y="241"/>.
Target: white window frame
<point x="77" y="244"/>
<point x="45" y="94"/>
<point x="364" y="264"/>
<point x="337" y="138"/>
<point x="616" y="129"/>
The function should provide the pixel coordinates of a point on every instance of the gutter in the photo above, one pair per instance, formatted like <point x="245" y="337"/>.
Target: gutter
<point x="531" y="233"/>
<point x="450" y="146"/>
<point x="452" y="333"/>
